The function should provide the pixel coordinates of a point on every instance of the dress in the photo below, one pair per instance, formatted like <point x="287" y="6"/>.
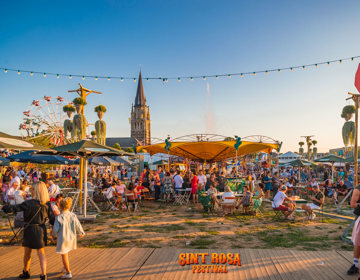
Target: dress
<point x="194" y="184"/>
<point x="168" y="187"/>
<point x="35" y="236"/>
<point x="65" y="228"/>
<point x="257" y="201"/>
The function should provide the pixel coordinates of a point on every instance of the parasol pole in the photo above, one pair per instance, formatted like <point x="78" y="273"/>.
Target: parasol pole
<point x="81" y="182"/>
<point x="85" y="185"/>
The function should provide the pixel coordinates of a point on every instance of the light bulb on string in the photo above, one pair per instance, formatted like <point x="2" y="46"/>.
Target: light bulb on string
<point x="267" y="72"/>
<point x="18" y="72"/>
<point x="241" y="75"/>
<point x="229" y="76"/>
<point x="204" y="78"/>
<point x="328" y="63"/>
<point x="340" y="61"/>
<point x="44" y="75"/>
<point x="70" y="77"/>
<point x="254" y="73"/>
<point x="57" y="76"/>
<point x="304" y="67"/>
<point x="216" y="77"/>
<point x="31" y="73"/>
<point x="134" y="80"/>
<point x="191" y="78"/>
<point x="122" y="79"/>
<point x="108" y="78"/>
<point x="352" y="59"/>
<point x="5" y="70"/>
<point x="166" y="80"/>
<point x="179" y="79"/>
<point x="291" y="69"/>
<point x="316" y="65"/>
<point x="279" y="70"/>
<point x="147" y="79"/>
<point x="83" y="77"/>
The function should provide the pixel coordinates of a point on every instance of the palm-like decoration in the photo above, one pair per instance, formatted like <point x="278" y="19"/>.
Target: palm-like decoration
<point x="314" y="150"/>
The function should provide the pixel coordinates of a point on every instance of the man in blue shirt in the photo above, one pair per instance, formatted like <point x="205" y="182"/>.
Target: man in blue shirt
<point x="267" y="182"/>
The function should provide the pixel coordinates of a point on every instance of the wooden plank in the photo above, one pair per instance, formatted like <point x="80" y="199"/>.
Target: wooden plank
<point x="274" y="267"/>
<point x="265" y="264"/>
<point x="337" y="264"/>
<point x="312" y="261"/>
<point x="156" y="265"/>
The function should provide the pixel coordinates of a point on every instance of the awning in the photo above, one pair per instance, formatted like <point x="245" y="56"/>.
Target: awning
<point x="210" y="151"/>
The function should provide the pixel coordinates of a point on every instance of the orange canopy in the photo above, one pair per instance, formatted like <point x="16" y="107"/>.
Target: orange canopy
<point x="210" y="150"/>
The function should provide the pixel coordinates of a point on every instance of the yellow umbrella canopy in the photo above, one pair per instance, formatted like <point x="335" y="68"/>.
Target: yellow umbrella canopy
<point x="203" y="149"/>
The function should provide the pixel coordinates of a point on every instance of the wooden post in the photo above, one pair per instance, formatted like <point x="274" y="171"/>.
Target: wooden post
<point x="356" y="164"/>
<point x="81" y="179"/>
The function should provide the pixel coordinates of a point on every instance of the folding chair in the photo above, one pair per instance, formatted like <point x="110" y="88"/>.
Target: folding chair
<point x="135" y="203"/>
<point x="279" y="215"/>
<point x="18" y="234"/>
<point x="229" y="203"/>
<point x="119" y="201"/>
<point x="146" y="196"/>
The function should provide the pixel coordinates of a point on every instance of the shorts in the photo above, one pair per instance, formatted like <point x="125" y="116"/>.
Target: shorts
<point x="313" y="206"/>
<point x="355" y="237"/>
<point x="282" y="208"/>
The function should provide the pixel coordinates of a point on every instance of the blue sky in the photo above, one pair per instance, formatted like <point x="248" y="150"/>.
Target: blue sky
<point x="185" y="38"/>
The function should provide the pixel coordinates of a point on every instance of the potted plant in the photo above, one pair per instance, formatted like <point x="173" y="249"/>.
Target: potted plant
<point x="301" y="149"/>
<point x="79" y="104"/>
<point x="100" y="110"/>
<point x="347" y="112"/>
<point x="69" y="110"/>
<point x="93" y="134"/>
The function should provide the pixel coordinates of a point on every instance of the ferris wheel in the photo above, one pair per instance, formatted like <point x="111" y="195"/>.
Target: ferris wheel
<point x="44" y="118"/>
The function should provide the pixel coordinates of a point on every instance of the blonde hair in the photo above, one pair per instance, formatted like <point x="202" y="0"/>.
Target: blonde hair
<point x="65" y="203"/>
<point x="40" y="192"/>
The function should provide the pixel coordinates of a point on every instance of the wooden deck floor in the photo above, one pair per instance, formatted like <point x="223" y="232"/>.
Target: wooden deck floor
<point x="149" y="263"/>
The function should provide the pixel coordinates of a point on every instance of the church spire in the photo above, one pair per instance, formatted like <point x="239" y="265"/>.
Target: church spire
<point x="140" y="99"/>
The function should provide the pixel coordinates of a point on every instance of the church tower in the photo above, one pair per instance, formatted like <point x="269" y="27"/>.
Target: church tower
<point x="140" y="116"/>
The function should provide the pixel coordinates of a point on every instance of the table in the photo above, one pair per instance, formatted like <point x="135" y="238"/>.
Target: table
<point x="66" y="191"/>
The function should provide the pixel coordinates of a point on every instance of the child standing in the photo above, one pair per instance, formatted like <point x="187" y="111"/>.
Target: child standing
<point x="65" y="228"/>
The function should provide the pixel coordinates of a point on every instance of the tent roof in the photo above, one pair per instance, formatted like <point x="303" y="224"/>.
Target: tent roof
<point x="289" y="154"/>
<point x="16" y="143"/>
<point x="4" y="161"/>
<point x="299" y="162"/>
<point x="102" y="161"/>
<point x="330" y="158"/>
<point x="87" y="148"/>
<point x="210" y="150"/>
<point x="31" y="156"/>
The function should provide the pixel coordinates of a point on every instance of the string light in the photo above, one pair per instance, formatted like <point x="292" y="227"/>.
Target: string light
<point x="204" y="77"/>
<point x="179" y="79"/>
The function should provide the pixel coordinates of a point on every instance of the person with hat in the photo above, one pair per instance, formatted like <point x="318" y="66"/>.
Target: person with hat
<point x="318" y="200"/>
<point x="278" y="203"/>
